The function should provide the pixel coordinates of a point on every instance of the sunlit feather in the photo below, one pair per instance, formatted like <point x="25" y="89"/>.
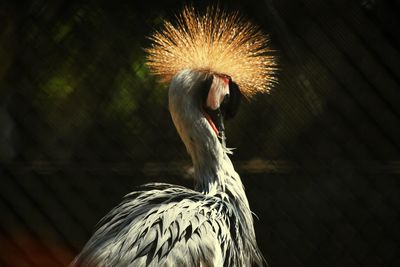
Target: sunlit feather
<point x="215" y="42"/>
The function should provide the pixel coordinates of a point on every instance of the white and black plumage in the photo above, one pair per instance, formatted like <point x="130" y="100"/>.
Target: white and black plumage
<point x="169" y="225"/>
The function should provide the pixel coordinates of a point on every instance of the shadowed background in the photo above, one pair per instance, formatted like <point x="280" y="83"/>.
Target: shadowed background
<point x="82" y="123"/>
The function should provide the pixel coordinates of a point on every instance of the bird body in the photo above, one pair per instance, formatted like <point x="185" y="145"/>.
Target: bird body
<point x="169" y="225"/>
<point x="166" y="226"/>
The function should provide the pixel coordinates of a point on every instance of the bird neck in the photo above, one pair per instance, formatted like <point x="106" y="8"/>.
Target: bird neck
<point x="215" y="174"/>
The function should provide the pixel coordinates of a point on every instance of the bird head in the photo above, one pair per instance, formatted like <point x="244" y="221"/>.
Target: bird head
<point x="211" y="60"/>
<point x="199" y="103"/>
<point x="221" y="99"/>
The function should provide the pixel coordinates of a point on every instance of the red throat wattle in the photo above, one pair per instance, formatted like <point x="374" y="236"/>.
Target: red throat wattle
<point x="211" y="123"/>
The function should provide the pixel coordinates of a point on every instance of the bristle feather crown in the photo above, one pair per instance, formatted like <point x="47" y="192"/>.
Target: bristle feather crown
<point x="216" y="42"/>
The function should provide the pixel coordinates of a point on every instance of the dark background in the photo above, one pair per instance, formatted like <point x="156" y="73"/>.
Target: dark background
<point x="82" y="123"/>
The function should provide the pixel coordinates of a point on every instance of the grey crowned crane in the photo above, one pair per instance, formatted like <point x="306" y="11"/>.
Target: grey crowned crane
<point x="210" y="60"/>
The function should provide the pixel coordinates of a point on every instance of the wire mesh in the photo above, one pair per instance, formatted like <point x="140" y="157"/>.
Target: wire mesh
<point x="82" y="123"/>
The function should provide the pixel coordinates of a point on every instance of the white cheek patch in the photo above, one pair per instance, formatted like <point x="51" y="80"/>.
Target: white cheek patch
<point x="218" y="90"/>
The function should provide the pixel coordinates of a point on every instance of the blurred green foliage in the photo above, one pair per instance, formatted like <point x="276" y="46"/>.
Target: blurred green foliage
<point x="79" y="68"/>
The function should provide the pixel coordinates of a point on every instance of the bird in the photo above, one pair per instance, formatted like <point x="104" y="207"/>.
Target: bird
<point x="212" y="60"/>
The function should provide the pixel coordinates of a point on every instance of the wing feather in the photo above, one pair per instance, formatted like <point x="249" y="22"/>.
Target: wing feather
<point x="166" y="226"/>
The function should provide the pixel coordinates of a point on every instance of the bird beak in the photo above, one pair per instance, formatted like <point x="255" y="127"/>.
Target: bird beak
<point x="221" y="127"/>
<point x="216" y="121"/>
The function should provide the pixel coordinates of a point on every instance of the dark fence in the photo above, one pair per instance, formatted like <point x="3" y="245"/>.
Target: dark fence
<point x="82" y="123"/>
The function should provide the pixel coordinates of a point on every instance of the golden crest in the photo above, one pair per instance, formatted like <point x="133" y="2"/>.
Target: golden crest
<point x="215" y="42"/>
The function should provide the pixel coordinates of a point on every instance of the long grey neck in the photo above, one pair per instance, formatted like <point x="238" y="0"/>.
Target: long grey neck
<point x="215" y="174"/>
